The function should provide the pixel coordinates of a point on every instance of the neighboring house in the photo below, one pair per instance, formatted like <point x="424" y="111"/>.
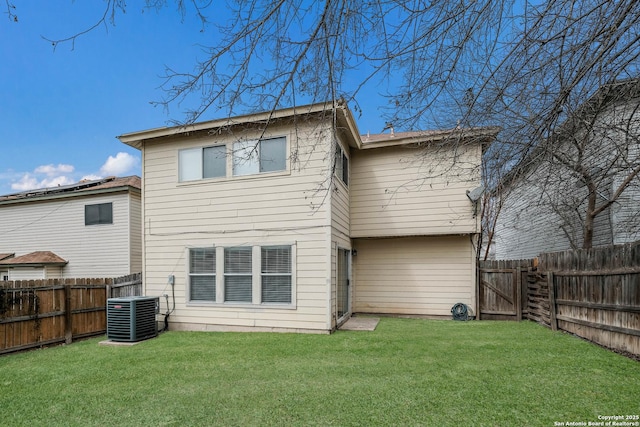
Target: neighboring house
<point x="89" y="229"/>
<point x="546" y="197"/>
<point x="292" y="221"/>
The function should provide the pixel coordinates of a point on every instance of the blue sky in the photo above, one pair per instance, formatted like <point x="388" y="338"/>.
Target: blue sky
<point x="61" y="110"/>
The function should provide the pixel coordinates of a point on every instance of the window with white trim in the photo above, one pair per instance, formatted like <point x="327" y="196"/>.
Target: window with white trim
<point x="276" y="274"/>
<point x="342" y="165"/>
<point x="266" y="155"/>
<point x="238" y="274"/>
<point x="247" y="158"/>
<point x="202" y="274"/>
<point x="202" y="162"/>
<point x="247" y="275"/>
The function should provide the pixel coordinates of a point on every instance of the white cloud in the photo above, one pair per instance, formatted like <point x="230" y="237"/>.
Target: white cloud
<point x="30" y="182"/>
<point x="52" y="170"/>
<point x="47" y="176"/>
<point x="119" y="165"/>
<point x="90" y="177"/>
<point x="27" y="182"/>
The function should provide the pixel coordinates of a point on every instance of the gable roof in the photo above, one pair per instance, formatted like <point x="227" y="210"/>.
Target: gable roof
<point x="38" y="258"/>
<point x="82" y="188"/>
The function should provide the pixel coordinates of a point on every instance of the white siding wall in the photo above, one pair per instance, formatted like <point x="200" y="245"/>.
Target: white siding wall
<point x="414" y="275"/>
<point x="401" y="191"/>
<point x="58" y="226"/>
<point x="279" y="208"/>
<point x="626" y="212"/>
<point x="626" y="215"/>
<point x="529" y="223"/>
<point x="526" y="227"/>
<point x="27" y="273"/>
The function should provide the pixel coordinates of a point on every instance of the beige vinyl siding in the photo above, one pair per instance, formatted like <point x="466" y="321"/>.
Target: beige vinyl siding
<point x="414" y="275"/>
<point x="340" y="231"/>
<point x="280" y="208"/>
<point x="58" y="226"/>
<point x="401" y="191"/>
<point x="135" y="233"/>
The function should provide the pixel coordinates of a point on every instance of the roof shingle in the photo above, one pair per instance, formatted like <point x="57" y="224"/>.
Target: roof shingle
<point x="34" y="258"/>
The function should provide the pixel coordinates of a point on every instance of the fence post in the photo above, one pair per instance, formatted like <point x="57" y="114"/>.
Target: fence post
<point x="518" y="284"/>
<point x="478" y="284"/>
<point x="552" y="301"/>
<point x="68" y="315"/>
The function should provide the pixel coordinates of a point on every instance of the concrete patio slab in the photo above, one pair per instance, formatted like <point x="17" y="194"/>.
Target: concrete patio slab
<point x="360" y="324"/>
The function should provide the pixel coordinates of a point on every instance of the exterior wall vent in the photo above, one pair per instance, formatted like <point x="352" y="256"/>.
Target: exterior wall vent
<point x="131" y="319"/>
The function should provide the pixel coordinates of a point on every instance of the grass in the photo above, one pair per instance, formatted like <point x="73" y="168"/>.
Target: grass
<point x="407" y="372"/>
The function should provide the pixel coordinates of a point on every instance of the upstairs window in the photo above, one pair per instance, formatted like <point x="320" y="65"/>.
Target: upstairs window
<point x="201" y="163"/>
<point x="252" y="157"/>
<point x="342" y="165"/>
<point x="214" y="161"/>
<point x="101" y="213"/>
<point x="248" y="158"/>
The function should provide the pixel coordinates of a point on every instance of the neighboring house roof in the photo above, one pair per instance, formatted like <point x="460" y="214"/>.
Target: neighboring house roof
<point x="34" y="259"/>
<point x="82" y="188"/>
<point x="5" y="256"/>
<point x="344" y="122"/>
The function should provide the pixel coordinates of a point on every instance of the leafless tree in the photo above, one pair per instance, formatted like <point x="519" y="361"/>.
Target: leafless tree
<point x="593" y="159"/>
<point x="439" y="64"/>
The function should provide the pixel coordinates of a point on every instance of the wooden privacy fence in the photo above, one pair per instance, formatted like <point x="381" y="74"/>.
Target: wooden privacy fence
<point x="126" y="286"/>
<point x="35" y="313"/>
<point x="502" y="289"/>
<point x="592" y="293"/>
<point x="595" y="294"/>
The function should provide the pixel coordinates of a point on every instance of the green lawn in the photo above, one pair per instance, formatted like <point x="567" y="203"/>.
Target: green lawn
<point x="407" y="372"/>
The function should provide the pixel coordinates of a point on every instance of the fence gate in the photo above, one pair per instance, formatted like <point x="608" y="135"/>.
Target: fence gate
<point x="500" y="289"/>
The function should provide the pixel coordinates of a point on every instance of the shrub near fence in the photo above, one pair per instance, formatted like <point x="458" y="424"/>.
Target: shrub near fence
<point x="34" y="313"/>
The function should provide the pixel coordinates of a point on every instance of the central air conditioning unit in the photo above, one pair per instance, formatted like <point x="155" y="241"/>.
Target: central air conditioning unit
<point x="131" y="319"/>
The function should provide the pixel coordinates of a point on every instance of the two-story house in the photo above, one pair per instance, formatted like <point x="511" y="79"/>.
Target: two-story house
<point x="292" y="221"/>
<point x="89" y="229"/>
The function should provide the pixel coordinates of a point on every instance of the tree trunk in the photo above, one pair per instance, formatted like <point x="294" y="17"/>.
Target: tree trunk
<point x="589" y="218"/>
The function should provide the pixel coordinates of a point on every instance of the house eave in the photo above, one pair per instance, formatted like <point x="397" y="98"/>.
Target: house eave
<point x="35" y="264"/>
<point x="483" y="136"/>
<point x="137" y="139"/>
